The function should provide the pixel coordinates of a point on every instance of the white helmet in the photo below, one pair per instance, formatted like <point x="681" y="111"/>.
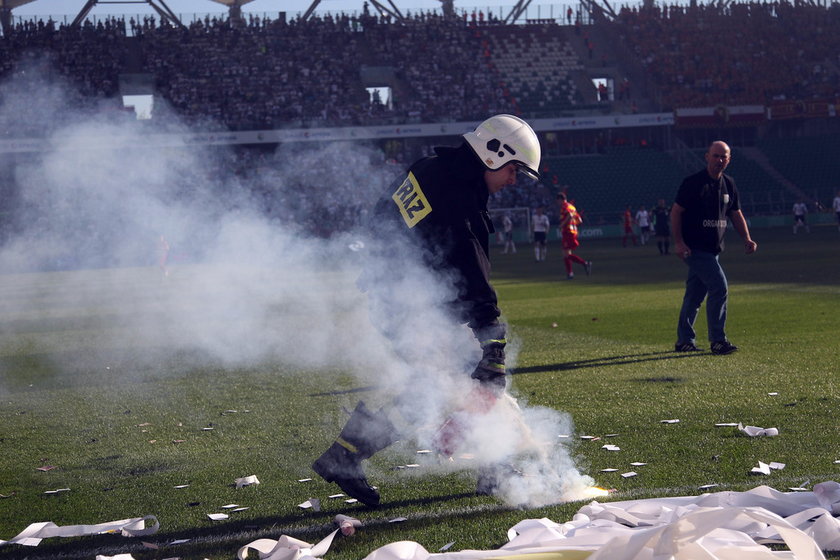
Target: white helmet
<point x="504" y="139"/>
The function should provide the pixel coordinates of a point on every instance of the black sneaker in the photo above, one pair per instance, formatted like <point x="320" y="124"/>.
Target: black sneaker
<point x="723" y="347"/>
<point x="686" y="347"/>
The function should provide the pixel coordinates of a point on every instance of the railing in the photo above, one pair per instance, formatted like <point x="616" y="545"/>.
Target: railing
<point x="541" y="13"/>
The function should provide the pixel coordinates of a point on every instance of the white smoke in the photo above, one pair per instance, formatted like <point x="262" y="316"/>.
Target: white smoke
<point x="248" y="277"/>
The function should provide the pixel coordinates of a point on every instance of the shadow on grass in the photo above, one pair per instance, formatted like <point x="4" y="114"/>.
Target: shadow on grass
<point x="209" y="540"/>
<point x="606" y="361"/>
<point x="346" y="391"/>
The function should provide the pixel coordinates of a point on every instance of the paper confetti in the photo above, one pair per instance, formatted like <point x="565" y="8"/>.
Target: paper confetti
<point x="707" y="486"/>
<point x="609" y="470"/>
<point x="610" y="447"/>
<point x="313" y="503"/>
<point x="755" y="431"/>
<point x="672" y="421"/>
<point x="762" y="468"/>
<point x="726" y="424"/>
<point x="246" y="481"/>
<point x="217" y="516"/>
<point x="446" y="547"/>
<point x="629" y="474"/>
<point x="638" y="464"/>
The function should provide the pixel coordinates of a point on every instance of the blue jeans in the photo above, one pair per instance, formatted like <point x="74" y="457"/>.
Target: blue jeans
<point x="705" y="278"/>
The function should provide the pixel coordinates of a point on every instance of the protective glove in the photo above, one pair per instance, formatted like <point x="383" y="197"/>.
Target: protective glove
<point x="490" y="370"/>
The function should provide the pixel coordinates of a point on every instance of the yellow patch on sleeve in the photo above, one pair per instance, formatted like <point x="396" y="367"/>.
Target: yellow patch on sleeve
<point x="411" y="201"/>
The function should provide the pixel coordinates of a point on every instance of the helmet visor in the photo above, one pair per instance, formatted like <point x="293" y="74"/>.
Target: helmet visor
<point x="524" y="169"/>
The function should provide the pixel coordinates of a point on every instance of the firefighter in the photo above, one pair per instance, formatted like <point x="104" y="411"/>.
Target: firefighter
<point x="440" y="210"/>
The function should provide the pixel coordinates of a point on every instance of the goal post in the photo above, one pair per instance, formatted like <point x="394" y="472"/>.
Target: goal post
<point x="521" y="220"/>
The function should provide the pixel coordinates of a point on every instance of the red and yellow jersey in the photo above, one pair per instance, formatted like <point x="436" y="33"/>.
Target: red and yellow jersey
<point x="569" y="219"/>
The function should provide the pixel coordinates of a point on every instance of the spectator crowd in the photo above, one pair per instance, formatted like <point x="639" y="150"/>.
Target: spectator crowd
<point x="736" y="53"/>
<point x="271" y="73"/>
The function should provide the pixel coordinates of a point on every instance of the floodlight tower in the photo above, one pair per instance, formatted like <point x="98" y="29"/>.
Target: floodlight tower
<point x="234" y="8"/>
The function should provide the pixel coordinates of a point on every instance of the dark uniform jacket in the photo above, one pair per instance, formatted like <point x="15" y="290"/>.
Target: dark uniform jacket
<point x="707" y="203"/>
<point x="439" y="212"/>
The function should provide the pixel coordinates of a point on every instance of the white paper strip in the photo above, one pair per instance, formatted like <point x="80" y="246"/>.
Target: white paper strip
<point x="32" y="535"/>
<point x="347" y="525"/>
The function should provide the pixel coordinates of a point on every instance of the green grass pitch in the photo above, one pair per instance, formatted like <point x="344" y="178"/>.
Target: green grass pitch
<point x="121" y="432"/>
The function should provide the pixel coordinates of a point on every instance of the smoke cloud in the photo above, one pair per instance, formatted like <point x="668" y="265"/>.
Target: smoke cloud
<point x="203" y="250"/>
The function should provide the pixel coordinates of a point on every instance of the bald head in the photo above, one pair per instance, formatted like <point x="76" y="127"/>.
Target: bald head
<point x="717" y="158"/>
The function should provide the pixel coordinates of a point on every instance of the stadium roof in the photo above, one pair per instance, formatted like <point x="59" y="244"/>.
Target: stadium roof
<point x="11" y="4"/>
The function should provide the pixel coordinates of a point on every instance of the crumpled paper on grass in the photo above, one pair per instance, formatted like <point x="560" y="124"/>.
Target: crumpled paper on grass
<point x="36" y="532"/>
<point x="717" y="526"/>
<point x="757" y="431"/>
<point x="286" y="548"/>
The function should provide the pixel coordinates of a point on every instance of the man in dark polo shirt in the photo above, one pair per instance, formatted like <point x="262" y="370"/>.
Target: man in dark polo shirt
<point x="705" y="203"/>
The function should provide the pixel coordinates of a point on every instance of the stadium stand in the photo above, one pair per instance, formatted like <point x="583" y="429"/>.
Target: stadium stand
<point x="266" y="73"/>
<point x="812" y="163"/>
<point x="735" y="53"/>
<point x="536" y="62"/>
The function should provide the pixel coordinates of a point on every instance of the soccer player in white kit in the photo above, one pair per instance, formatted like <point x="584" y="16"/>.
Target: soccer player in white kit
<point x="541" y="227"/>
<point x="800" y="209"/>
<point x="643" y="219"/>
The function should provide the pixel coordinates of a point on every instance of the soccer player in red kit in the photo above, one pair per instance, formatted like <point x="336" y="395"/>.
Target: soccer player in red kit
<point x="628" y="228"/>
<point x="569" y="222"/>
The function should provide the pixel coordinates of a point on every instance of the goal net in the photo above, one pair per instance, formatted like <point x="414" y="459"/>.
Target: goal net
<point x="520" y="219"/>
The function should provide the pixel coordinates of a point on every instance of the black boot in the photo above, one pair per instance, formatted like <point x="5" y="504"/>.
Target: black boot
<point x="364" y="434"/>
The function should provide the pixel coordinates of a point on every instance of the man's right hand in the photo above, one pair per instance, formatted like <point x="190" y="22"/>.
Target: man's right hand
<point x="682" y="250"/>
